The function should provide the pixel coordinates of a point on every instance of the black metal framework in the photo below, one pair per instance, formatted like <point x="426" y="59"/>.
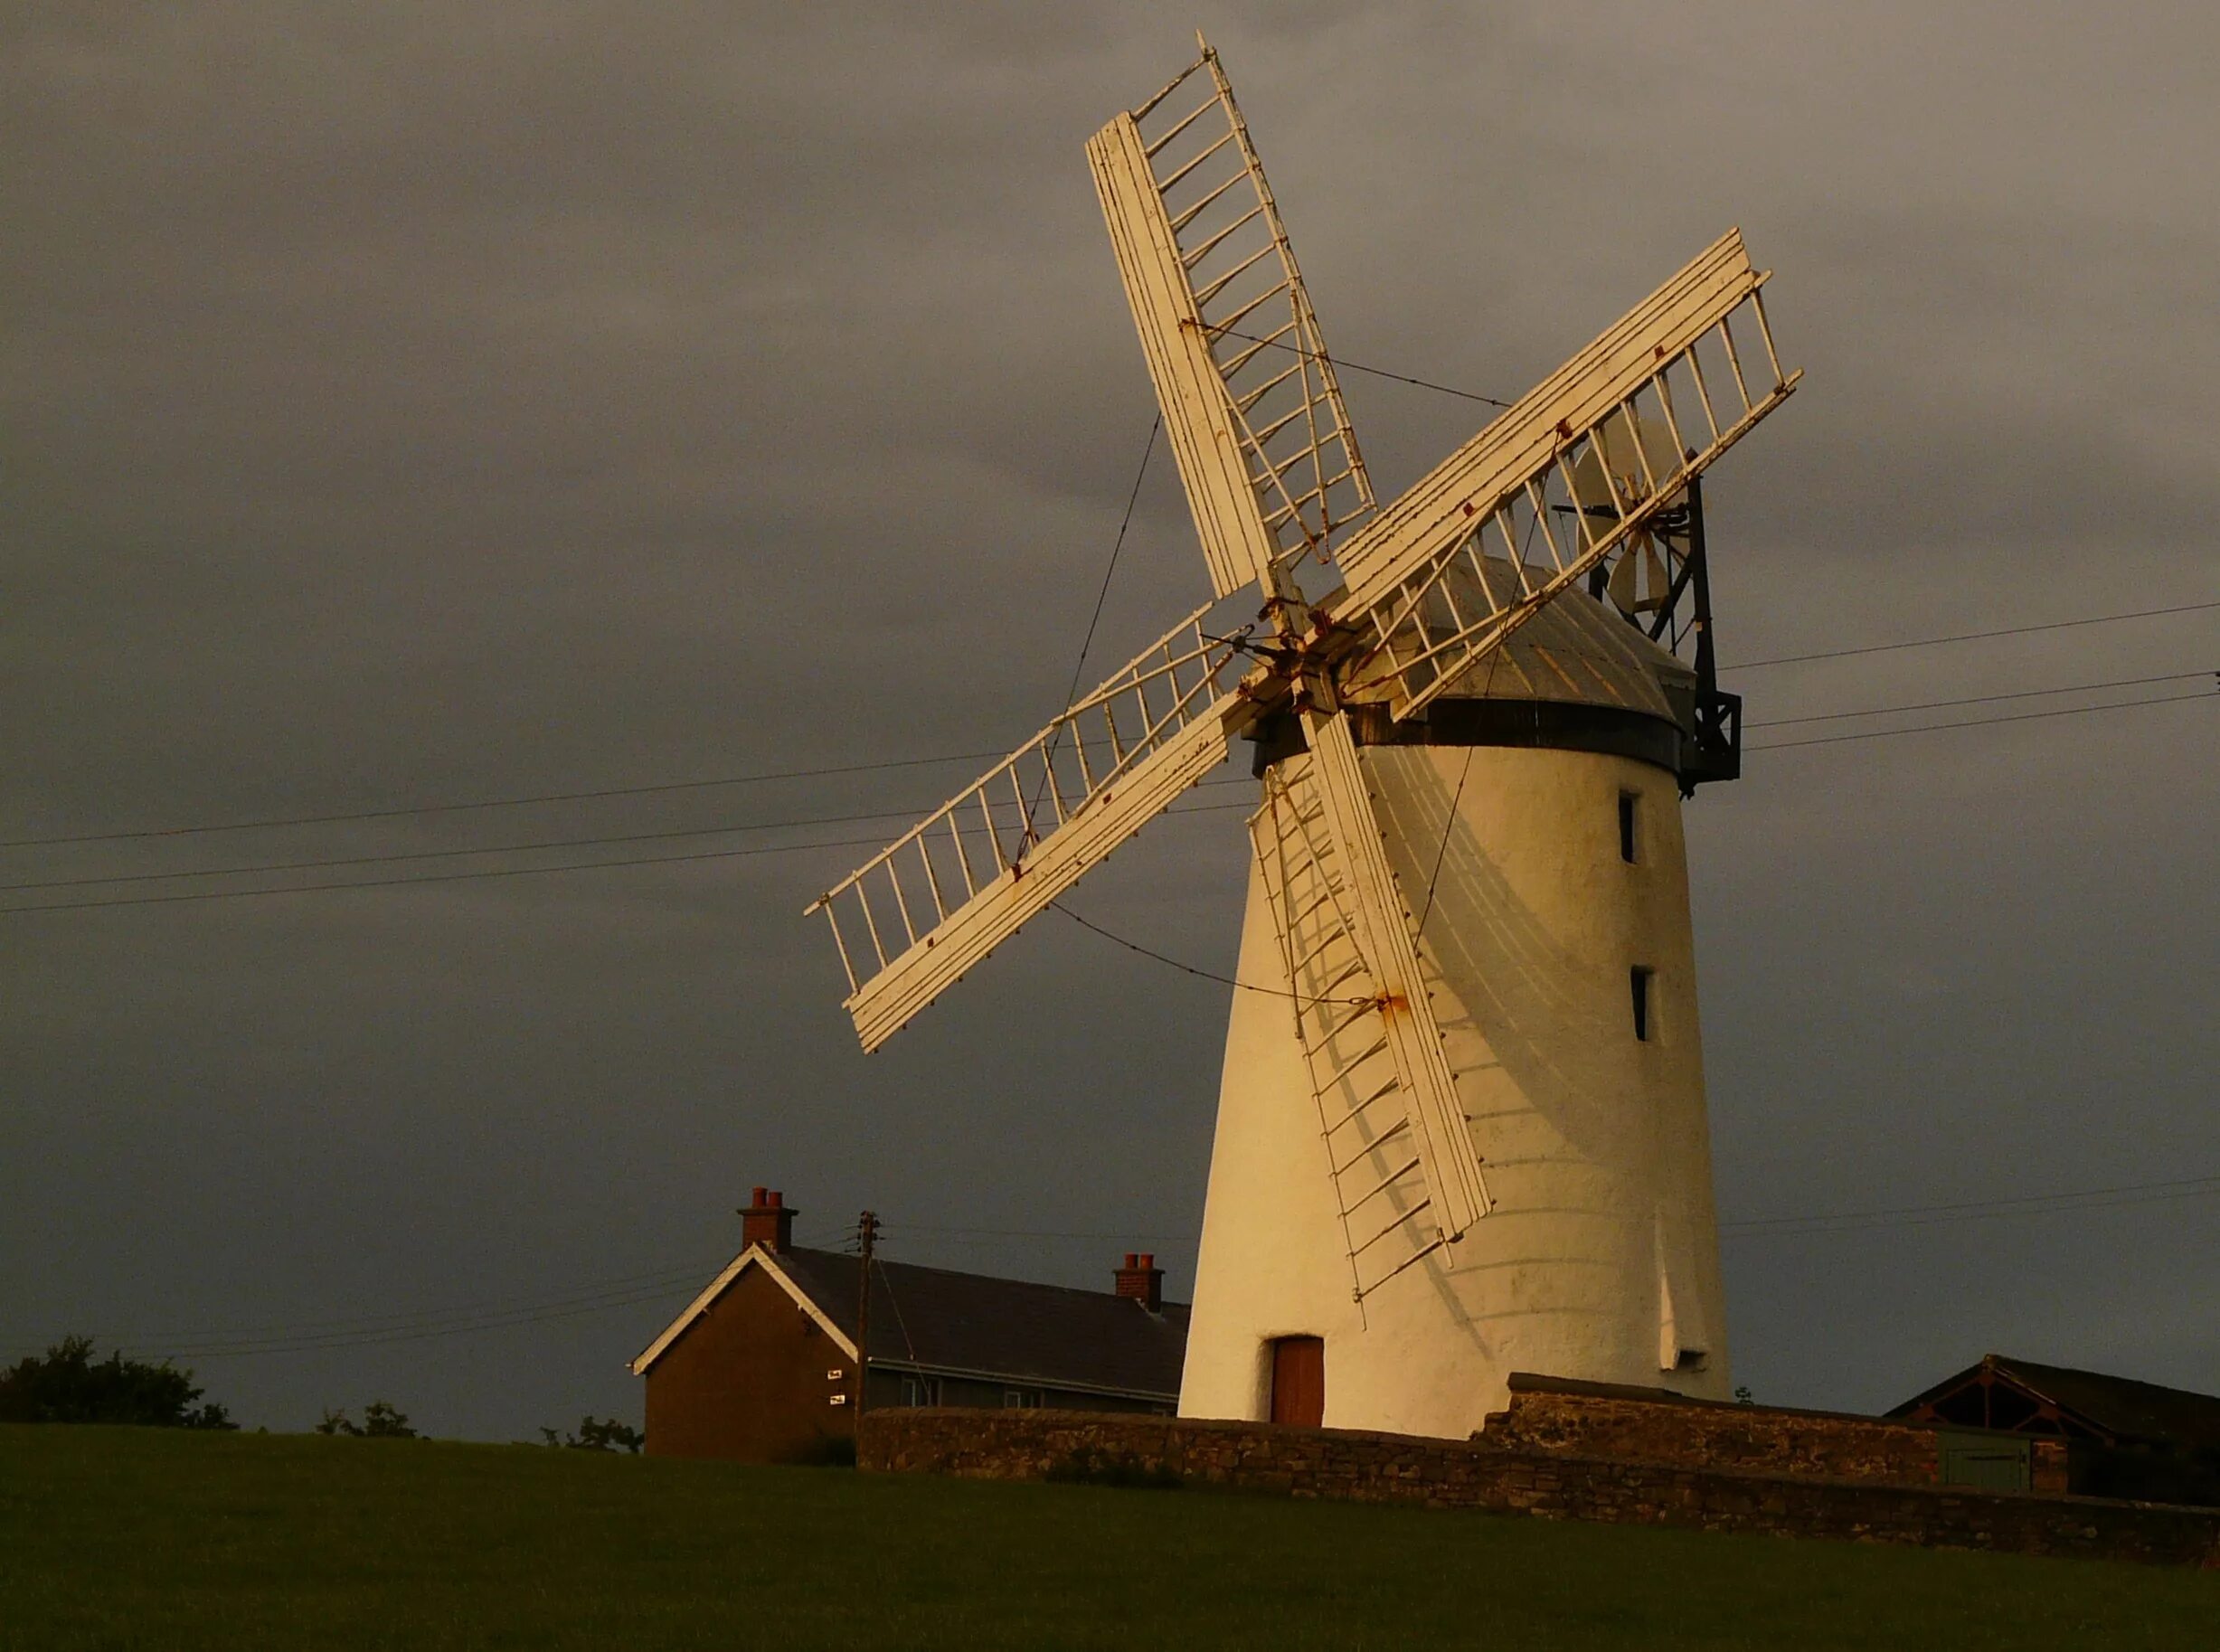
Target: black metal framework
<point x="1680" y="619"/>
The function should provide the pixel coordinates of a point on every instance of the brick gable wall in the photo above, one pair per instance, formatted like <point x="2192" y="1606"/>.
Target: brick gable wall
<point x="746" y="1381"/>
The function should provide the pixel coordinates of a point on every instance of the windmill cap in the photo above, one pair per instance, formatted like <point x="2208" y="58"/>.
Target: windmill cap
<point x="1574" y="650"/>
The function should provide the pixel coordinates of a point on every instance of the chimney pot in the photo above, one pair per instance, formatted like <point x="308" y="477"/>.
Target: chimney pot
<point x="766" y="1220"/>
<point x="1141" y="1281"/>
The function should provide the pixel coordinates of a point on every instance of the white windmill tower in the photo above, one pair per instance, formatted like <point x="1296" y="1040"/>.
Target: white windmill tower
<point x="1467" y="919"/>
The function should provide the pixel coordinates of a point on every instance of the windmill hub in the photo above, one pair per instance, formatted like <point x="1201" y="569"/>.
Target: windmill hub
<point x="1467" y="941"/>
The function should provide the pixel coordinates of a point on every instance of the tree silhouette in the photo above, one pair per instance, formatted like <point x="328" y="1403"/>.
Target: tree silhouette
<point x="67" y="1385"/>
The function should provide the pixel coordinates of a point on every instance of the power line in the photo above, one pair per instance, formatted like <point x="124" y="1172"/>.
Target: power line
<point x="1933" y="642"/>
<point x="500" y="872"/>
<point x="1972" y="1210"/>
<point x="896" y="814"/>
<point x="399" y="810"/>
<point x="714" y="854"/>
<point x="2024" y="693"/>
<point x="1121" y="1235"/>
<point x="506" y="1322"/>
<point x="1978" y="723"/>
<point x="563" y="843"/>
<point x="1782" y="745"/>
<point x="661" y="1284"/>
<point x="411" y="1319"/>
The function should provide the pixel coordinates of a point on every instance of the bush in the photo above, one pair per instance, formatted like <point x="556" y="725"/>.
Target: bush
<point x="602" y="1434"/>
<point x="66" y="1384"/>
<point x="380" y="1420"/>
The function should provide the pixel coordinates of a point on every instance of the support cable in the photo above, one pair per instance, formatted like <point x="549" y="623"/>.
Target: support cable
<point x="1079" y="666"/>
<point x="1207" y="974"/>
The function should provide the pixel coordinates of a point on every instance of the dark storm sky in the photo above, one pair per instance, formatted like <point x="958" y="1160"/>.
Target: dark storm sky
<point x="408" y="406"/>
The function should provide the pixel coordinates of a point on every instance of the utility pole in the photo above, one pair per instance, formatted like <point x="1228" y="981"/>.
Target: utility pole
<point x="867" y="1231"/>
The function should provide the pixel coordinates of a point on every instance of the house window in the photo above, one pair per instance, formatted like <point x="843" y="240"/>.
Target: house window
<point x="921" y="1390"/>
<point x="1691" y="1359"/>
<point x="1627" y="844"/>
<point x="1638" y="982"/>
<point x="1020" y="1400"/>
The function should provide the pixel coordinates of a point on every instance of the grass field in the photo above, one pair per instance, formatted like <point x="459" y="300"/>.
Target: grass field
<point x="120" y="1537"/>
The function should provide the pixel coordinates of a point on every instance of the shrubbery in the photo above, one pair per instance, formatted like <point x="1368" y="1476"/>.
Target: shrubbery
<point x="379" y="1421"/>
<point x="67" y="1385"/>
<point x="597" y="1434"/>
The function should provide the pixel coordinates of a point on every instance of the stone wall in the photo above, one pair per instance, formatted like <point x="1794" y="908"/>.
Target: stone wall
<point x="1456" y="1474"/>
<point x="1568" y="1418"/>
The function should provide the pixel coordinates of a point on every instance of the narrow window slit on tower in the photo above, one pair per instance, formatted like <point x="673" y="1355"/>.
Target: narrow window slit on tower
<point x="1637" y="978"/>
<point x="1627" y="801"/>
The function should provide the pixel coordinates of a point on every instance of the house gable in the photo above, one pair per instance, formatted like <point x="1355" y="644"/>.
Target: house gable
<point x="754" y="1256"/>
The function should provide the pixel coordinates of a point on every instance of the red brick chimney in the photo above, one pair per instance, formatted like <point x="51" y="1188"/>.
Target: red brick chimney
<point x="767" y="1222"/>
<point x="1141" y="1281"/>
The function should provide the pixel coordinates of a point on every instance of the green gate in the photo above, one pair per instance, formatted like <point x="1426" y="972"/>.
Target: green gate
<point x="1986" y="1462"/>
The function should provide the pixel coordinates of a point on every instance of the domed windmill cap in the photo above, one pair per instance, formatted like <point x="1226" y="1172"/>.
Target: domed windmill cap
<point x="1576" y="651"/>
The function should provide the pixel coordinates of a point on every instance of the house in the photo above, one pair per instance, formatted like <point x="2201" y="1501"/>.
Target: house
<point x="2126" y="1439"/>
<point x="762" y="1366"/>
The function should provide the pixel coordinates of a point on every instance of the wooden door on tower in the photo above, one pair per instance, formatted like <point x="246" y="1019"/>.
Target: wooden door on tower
<point x="1298" y="1381"/>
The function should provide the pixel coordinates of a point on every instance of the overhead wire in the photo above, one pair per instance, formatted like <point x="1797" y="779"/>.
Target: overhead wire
<point x="764" y="849"/>
<point x="497" y="871"/>
<point x="1959" y="637"/>
<point x="608" y="1294"/>
<point x="424" y="1327"/>
<point x="352" y="1324"/>
<point x="398" y="811"/>
<point x="2023" y="693"/>
<point x="1973" y="1210"/>
<point x="619" y="1293"/>
<point x="401" y="811"/>
<point x="566" y="843"/>
<point x="1978" y="723"/>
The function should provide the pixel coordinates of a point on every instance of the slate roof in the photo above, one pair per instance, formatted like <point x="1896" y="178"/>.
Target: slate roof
<point x="2118" y="1406"/>
<point x="936" y="1319"/>
<point x="1054" y="1335"/>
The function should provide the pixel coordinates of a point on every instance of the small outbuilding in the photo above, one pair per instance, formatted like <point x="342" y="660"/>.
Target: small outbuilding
<point x="2126" y="1439"/>
<point x="762" y="1366"/>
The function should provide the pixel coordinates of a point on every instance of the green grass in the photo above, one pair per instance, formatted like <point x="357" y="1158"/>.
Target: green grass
<point x="122" y="1537"/>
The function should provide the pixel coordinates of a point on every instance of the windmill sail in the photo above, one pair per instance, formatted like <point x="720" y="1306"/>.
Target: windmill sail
<point x="1250" y="399"/>
<point x="1518" y="484"/>
<point x="954" y="887"/>
<point x="1374" y="1149"/>
<point x="1380" y="932"/>
<point x="1576" y="473"/>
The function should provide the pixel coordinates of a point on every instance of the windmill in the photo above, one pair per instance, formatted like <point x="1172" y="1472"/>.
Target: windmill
<point x="1450" y="741"/>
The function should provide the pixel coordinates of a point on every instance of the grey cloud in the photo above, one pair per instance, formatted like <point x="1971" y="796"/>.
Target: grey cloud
<point x="408" y="408"/>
